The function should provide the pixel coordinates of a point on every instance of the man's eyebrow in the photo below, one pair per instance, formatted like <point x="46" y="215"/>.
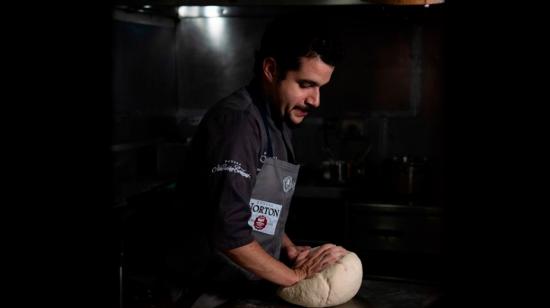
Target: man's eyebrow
<point x="314" y="83"/>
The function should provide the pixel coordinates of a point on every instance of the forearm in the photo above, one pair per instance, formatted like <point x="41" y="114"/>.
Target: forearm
<point x="256" y="260"/>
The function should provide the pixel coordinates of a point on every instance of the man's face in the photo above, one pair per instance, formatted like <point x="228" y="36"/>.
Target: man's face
<point x="299" y="92"/>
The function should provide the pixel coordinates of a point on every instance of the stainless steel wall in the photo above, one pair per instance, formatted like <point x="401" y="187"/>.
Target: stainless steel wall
<point x="214" y="57"/>
<point x="386" y="94"/>
<point x="143" y="79"/>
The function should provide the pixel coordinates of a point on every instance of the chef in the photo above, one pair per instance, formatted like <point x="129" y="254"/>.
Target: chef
<point x="239" y="177"/>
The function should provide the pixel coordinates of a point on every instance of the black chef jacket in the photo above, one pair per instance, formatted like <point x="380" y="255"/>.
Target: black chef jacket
<point x="219" y="174"/>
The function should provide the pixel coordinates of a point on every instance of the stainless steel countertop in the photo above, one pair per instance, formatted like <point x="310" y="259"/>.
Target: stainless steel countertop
<point x="373" y="294"/>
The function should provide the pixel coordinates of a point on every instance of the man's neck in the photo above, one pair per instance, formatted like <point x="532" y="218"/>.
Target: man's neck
<point x="262" y="95"/>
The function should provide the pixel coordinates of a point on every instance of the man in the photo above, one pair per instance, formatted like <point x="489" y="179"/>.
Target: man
<point x="243" y="170"/>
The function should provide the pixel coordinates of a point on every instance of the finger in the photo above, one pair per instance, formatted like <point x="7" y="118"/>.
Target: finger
<point x="292" y="253"/>
<point x="302" y="255"/>
<point x="325" y="264"/>
<point x="322" y="262"/>
<point x="318" y="258"/>
<point x="317" y="252"/>
<point x="303" y="248"/>
<point x="338" y="250"/>
<point x="334" y="255"/>
<point x="311" y="264"/>
<point x="301" y="258"/>
<point x="321" y="266"/>
<point x="342" y="249"/>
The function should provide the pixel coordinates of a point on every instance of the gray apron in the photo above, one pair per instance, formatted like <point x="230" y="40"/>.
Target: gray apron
<point x="269" y="206"/>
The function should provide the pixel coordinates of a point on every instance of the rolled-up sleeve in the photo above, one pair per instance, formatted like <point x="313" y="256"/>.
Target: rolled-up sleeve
<point x="233" y="151"/>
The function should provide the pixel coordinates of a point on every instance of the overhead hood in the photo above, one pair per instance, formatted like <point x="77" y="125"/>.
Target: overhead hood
<point x="275" y="2"/>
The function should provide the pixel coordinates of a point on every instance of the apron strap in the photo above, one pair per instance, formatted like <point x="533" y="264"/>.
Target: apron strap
<point x="263" y="111"/>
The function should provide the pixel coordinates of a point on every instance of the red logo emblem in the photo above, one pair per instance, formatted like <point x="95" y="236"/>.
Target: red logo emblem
<point x="260" y="222"/>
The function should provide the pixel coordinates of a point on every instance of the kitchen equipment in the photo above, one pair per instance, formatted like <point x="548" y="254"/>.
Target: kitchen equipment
<point x="408" y="175"/>
<point x="336" y="171"/>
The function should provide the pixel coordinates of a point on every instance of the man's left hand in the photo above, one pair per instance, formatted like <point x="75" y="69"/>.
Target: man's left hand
<point x="293" y="251"/>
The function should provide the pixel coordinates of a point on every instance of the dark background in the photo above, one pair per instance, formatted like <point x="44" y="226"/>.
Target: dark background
<point x="491" y="112"/>
<point x="381" y="118"/>
<point x="431" y="84"/>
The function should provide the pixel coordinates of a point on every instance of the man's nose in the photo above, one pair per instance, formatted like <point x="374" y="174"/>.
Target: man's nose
<point x="314" y="99"/>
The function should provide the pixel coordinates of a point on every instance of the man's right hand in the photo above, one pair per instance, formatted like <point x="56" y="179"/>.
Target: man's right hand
<point x="310" y="262"/>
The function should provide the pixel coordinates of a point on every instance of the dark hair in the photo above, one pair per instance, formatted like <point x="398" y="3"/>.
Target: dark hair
<point x="286" y="39"/>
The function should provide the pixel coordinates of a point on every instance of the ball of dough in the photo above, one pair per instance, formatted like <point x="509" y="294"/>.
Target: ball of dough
<point x="333" y="286"/>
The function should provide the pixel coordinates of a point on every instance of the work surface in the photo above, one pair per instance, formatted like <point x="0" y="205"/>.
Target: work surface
<point x="373" y="294"/>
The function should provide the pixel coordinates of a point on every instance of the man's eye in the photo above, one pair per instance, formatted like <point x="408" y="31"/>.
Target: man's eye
<point x="305" y="84"/>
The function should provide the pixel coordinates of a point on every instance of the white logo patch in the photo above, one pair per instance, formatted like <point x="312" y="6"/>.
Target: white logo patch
<point x="231" y="166"/>
<point x="288" y="183"/>
<point x="265" y="216"/>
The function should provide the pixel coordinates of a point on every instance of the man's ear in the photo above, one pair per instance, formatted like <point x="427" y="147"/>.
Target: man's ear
<point x="269" y="69"/>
